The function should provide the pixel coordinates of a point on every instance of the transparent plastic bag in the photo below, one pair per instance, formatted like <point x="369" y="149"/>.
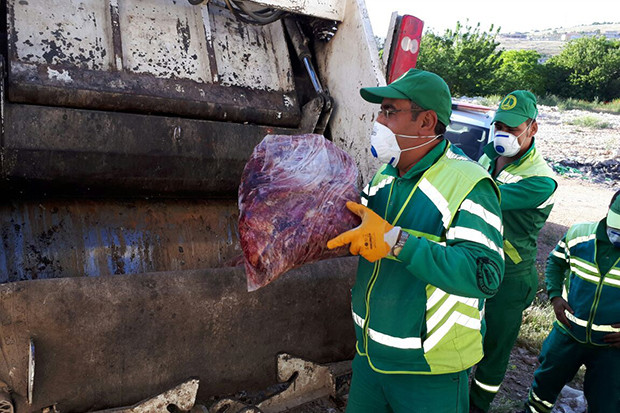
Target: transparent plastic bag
<point x="291" y="202"/>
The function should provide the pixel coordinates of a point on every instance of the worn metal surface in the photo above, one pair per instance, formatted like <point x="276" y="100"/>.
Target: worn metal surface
<point x="180" y="398"/>
<point x="92" y="150"/>
<point x="112" y="341"/>
<point x="42" y="239"/>
<point x="352" y="118"/>
<point x="326" y="9"/>
<point x="153" y="56"/>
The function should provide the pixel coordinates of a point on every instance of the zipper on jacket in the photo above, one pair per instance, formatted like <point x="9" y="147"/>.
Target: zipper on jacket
<point x="371" y="283"/>
<point x="373" y="277"/>
<point x="597" y="297"/>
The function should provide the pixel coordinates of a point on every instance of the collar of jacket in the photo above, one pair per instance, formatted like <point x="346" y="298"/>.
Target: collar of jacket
<point x="422" y="165"/>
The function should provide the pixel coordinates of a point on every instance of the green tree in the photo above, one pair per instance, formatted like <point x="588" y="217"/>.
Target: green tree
<point x="587" y="68"/>
<point x="466" y="58"/>
<point x="520" y="70"/>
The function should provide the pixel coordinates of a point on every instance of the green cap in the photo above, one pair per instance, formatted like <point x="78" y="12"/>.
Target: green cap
<point x="516" y="108"/>
<point x="613" y="217"/>
<point x="426" y="89"/>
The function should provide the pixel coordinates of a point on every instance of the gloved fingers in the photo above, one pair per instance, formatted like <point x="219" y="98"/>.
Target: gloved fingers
<point x="355" y="248"/>
<point x="342" y="239"/>
<point x="358" y="209"/>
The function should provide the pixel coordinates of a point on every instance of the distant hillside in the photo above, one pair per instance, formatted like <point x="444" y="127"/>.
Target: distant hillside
<point x="549" y="42"/>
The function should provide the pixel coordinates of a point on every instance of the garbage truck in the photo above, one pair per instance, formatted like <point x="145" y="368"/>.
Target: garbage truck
<point x="126" y="125"/>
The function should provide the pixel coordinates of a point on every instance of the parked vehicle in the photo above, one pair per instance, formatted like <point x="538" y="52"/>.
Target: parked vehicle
<point x="470" y="128"/>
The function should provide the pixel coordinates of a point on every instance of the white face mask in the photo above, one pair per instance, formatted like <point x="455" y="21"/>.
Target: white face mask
<point x="384" y="146"/>
<point x="614" y="236"/>
<point x="507" y="144"/>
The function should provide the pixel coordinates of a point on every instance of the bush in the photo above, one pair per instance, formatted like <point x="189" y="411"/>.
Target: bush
<point x="588" y="68"/>
<point x="466" y="58"/>
<point x="590" y="122"/>
<point x="520" y="70"/>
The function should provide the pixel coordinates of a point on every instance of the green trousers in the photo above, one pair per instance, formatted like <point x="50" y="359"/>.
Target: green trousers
<point x="503" y="314"/>
<point x="373" y="392"/>
<point x="560" y="358"/>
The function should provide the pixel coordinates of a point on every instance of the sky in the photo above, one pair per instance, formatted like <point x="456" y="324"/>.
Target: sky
<point x="518" y="16"/>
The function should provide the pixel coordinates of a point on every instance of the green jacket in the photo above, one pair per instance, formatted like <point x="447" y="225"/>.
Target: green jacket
<point x="585" y="269"/>
<point x="527" y="186"/>
<point x="420" y="313"/>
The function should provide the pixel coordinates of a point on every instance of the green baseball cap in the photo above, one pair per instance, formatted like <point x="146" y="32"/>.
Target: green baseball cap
<point x="426" y="89"/>
<point x="613" y="217"/>
<point x="516" y="108"/>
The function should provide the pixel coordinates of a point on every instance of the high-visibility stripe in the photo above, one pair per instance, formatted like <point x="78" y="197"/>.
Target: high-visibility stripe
<point x="549" y="201"/>
<point x="558" y="254"/>
<point x="541" y="401"/>
<point x="512" y="252"/>
<point x="455" y="318"/>
<point x="595" y="327"/>
<point x="487" y="387"/>
<point x="407" y="343"/>
<point x="579" y="240"/>
<point x="372" y="191"/>
<point x="594" y="278"/>
<point x="614" y="271"/>
<point x="436" y="198"/>
<point x="469" y="234"/>
<point x="584" y="275"/>
<point x="478" y="210"/>
<point x="452" y="155"/>
<point x="446" y="306"/>
<point x="437" y="295"/>
<point x="562" y="245"/>
<point x="584" y="265"/>
<point x="508" y="178"/>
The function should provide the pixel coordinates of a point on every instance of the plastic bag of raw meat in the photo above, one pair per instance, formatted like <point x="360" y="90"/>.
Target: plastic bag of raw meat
<point x="291" y="202"/>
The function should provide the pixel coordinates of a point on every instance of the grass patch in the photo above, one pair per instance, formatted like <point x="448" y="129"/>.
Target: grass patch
<point x="537" y="323"/>
<point x="590" y="122"/>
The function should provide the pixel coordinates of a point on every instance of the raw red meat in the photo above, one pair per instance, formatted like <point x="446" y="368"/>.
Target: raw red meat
<point x="291" y="202"/>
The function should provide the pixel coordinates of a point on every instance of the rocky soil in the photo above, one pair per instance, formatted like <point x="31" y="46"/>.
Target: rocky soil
<point x="579" y="151"/>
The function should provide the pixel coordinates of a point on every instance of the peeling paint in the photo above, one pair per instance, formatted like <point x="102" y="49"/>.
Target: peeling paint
<point x="63" y="76"/>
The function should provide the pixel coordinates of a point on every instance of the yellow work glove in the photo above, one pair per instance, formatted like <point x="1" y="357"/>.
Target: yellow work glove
<point x="372" y="239"/>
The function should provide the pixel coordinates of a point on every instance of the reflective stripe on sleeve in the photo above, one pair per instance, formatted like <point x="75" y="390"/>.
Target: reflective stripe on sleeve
<point x="468" y="234"/>
<point x="487" y="387"/>
<point x="478" y="210"/>
<point x="558" y="254"/>
<point x="549" y="201"/>
<point x="539" y="400"/>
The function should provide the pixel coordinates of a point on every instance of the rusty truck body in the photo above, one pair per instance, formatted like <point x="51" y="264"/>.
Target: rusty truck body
<point x="126" y="125"/>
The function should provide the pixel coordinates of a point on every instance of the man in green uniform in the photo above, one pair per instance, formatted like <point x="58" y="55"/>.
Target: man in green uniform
<point x="587" y="330"/>
<point x="431" y="250"/>
<point x="527" y="186"/>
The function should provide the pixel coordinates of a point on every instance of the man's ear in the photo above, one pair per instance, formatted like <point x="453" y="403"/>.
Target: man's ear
<point x="534" y="127"/>
<point x="429" y="122"/>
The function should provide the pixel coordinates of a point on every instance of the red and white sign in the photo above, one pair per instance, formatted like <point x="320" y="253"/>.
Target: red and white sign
<point x="405" y="54"/>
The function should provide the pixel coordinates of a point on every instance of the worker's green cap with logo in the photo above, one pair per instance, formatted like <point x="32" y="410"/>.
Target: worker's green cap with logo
<point x="426" y="89"/>
<point x="516" y="108"/>
<point x="613" y="217"/>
